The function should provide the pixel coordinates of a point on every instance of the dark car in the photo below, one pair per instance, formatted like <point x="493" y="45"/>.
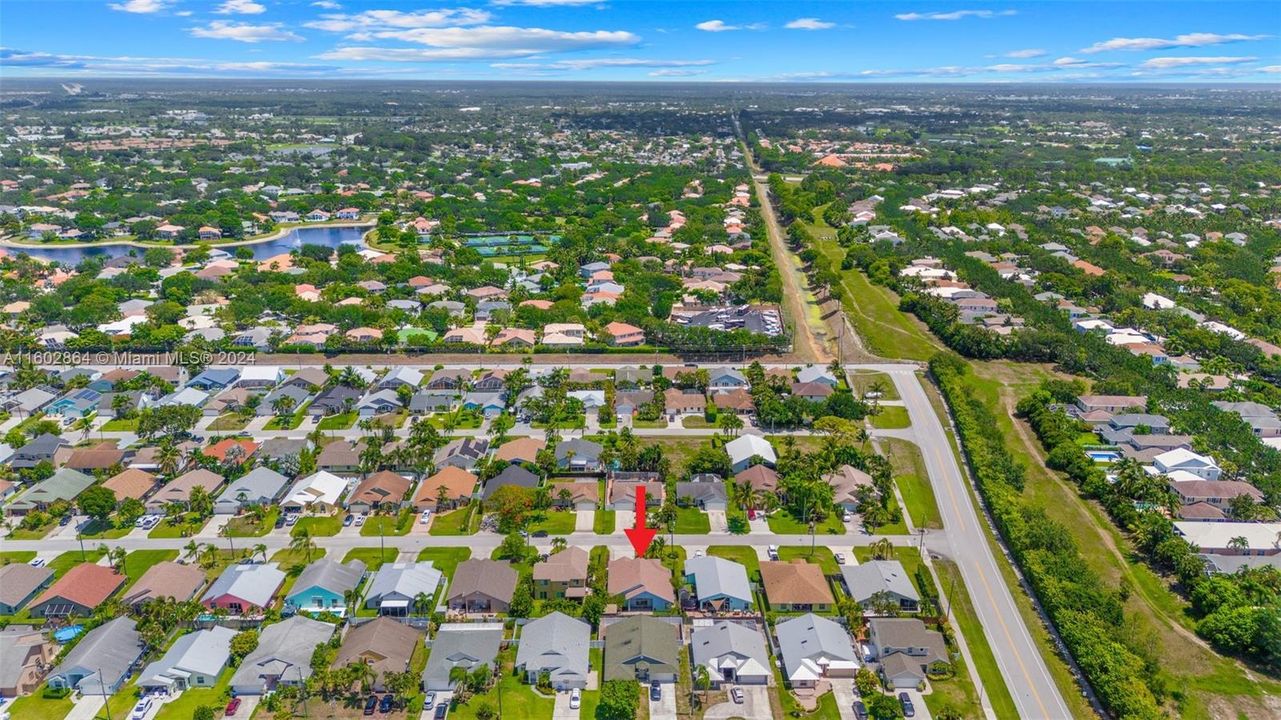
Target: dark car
<point x="371" y="702"/>
<point x="280" y="521"/>
<point x="655" y="691"/>
<point x="860" y="710"/>
<point x="347" y="521"/>
<point x="64" y="521"/>
<point x="540" y="533"/>
<point x="384" y="705"/>
<point x="909" y="710"/>
<point x="441" y="711"/>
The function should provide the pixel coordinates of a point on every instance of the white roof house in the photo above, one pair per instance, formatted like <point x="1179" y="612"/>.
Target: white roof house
<point x="1218" y="537"/>
<point x="743" y="448"/>
<point x="260" y="376"/>
<point x="731" y="653"/>
<point x="194" y="660"/>
<point x="320" y="490"/>
<point x="1183" y="459"/>
<point x="814" y="647"/>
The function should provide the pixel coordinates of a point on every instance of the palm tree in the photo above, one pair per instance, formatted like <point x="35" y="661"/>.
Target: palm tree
<point x="304" y="543"/>
<point x="882" y="549"/>
<point x="260" y="549"/>
<point x="702" y="681"/>
<point x="1238" y="543"/>
<point x="168" y="458"/>
<point x="190" y="550"/>
<point x="422" y="604"/>
<point x="559" y="543"/>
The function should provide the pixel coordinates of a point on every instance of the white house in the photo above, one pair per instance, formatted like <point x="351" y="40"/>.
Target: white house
<point x="318" y="492"/>
<point x="743" y="448"/>
<point x="1202" y="466"/>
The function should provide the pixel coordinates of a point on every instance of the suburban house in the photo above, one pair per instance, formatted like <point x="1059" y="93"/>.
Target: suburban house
<point x="906" y="649"/>
<point x="643" y="582"/>
<point x="241" y="589"/>
<point x="103" y="456"/>
<point x="562" y="575"/>
<point x="724" y="379"/>
<point x="383" y="644"/>
<point x="383" y="490"/>
<point x="721" y="585"/>
<point x="556" y="644"/>
<point x="578" y="456"/>
<point x="1218" y="493"/>
<point x="1202" y="466"/>
<point x="131" y="483"/>
<point x="622" y="494"/>
<point x="520" y="450"/>
<point x="621" y="334"/>
<point x="394" y="588"/>
<point x="26" y="655"/>
<point x="813" y="648"/>
<point x="796" y="586"/>
<point x="745" y="449"/>
<point x="760" y="477"/>
<point x="283" y="656"/>
<point x="482" y="586"/>
<point x="463" y="453"/>
<point x="165" y="579"/>
<point x="880" y="583"/>
<point x="462" y="645"/>
<point x="340" y="457"/>
<point x="260" y="486"/>
<point x="458" y="486"/>
<point x="318" y="493"/>
<point x="194" y="661"/>
<point x="102" y="661"/>
<point x="19" y="582"/>
<point x="642" y="647"/>
<point x="65" y="484"/>
<point x="323" y="586"/>
<point x="178" y="490"/>
<point x="78" y="592"/>
<point x="1258" y="539"/>
<point x="513" y="475"/>
<point x="41" y="448"/>
<point x="732" y="653"/>
<point x="704" y="494"/>
<point x="678" y="402"/>
<point x="846" y="482"/>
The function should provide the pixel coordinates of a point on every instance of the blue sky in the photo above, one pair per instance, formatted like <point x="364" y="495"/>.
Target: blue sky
<point x="847" y="41"/>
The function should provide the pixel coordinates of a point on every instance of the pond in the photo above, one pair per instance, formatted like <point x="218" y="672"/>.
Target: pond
<point x="328" y="236"/>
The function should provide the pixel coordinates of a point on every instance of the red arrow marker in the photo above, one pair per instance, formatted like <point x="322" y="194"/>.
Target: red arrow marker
<point x="640" y="535"/>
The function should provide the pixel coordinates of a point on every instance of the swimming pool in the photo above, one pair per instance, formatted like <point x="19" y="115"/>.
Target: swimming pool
<point x="1103" y="456"/>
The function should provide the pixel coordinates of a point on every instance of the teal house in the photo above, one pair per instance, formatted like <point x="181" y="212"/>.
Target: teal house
<point x="323" y="587"/>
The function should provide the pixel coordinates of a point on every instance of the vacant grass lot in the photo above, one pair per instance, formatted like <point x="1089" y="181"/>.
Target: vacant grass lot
<point x="603" y="522"/>
<point x="692" y="521"/>
<point x="462" y="521"/>
<point x="445" y="559"/>
<point x="318" y="525"/>
<point x="891" y="417"/>
<point x="820" y="555"/>
<point x="372" y="557"/>
<point x="398" y="524"/>
<point x="782" y="523"/>
<point x="913" y="482"/>
<point x="341" y="421"/>
<point x="248" y="526"/>
<point x="555" y="522"/>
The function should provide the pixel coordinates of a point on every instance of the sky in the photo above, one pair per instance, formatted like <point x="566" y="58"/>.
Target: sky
<point x="1060" y="41"/>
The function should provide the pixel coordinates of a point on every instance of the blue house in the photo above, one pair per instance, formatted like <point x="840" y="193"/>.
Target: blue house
<point x="489" y="404"/>
<point x="322" y="586"/>
<point x="215" y="379"/>
<point x="75" y="404"/>
<point x="720" y="584"/>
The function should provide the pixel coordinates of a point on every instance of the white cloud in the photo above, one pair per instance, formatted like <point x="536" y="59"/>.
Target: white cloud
<point x="809" y="23"/>
<point x="244" y="32"/>
<point x="1166" y="63"/>
<point x="1024" y="54"/>
<point x="1270" y="69"/>
<point x="1179" y="41"/>
<point x="593" y="63"/>
<point x="241" y="7"/>
<point x="152" y="66"/>
<point x="715" y="26"/>
<point x="480" y="43"/>
<point x="399" y="19"/>
<point x="326" y="5"/>
<point x="954" y="15"/>
<point x="673" y="72"/>
<point x="141" y="7"/>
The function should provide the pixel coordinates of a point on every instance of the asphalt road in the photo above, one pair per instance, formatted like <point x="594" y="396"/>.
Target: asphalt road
<point x="1025" y="672"/>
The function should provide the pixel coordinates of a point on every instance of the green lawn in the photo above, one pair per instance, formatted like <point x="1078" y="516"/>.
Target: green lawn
<point x="37" y="707"/>
<point x="399" y="524"/>
<point x="290" y="559"/>
<point x="659" y="424"/>
<point x="289" y="422"/>
<point x="519" y="701"/>
<point x="913" y="482"/>
<point x="120" y="425"/>
<point x="168" y="531"/>
<point x="463" y="521"/>
<point x="36" y="534"/>
<point x="246" y="526"/>
<point x="862" y="381"/>
<point x="13" y="556"/>
<point x="604" y="521"/>
<point x="319" y="525"/>
<point x="696" y="422"/>
<point x="216" y="697"/>
<point x="64" y="562"/>
<point x="891" y="417"/>
<point x="821" y="556"/>
<point x="372" y="557"/>
<point x="445" y="559"/>
<point x="341" y="421"/>
<point x="99" y="530"/>
<point x="782" y="523"/>
<point x="139" y="561"/>
<point x="788" y="707"/>
<point x="692" y="521"/>
<point x="555" y="522"/>
<point x="230" y="421"/>
<point x="741" y="554"/>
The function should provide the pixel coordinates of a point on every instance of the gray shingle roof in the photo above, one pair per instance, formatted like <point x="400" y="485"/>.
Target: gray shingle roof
<point x="468" y="645"/>
<point x="202" y="651"/>
<point x="867" y="579"/>
<point x="284" y="650"/>
<point x="713" y="576"/>
<point x="556" y="643"/>
<point x="108" y="652"/>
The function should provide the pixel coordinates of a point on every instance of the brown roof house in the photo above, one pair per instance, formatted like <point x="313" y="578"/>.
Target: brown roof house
<point x="25" y="655"/>
<point x="132" y="483"/>
<point x="583" y="494"/>
<point x="99" y="457"/>
<point x="796" y="586"/>
<point x="676" y="402"/>
<point x="520" y="450"/>
<point x="906" y="649"/>
<point x="166" y="580"/>
<point x="562" y="575"/>
<point x="383" y="644"/>
<point x="179" y="489"/>
<point x="458" y="483"/>
<point x="382" y="490"/>
<point x="846" y="481"/>
<point x="340" y="456"/>
<point x="80" y="591"/>
<point x="643" y="582"/>
<point x="19" y="582"/>
<point x="482" y="586"/>
<point x="760" y="477"/>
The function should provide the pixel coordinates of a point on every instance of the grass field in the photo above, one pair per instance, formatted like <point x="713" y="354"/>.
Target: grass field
<point x="862" y="381"/>
<point x="139" y="561"/>
<point x="741" y="554"/>
<point x="388" y="525"/>
<point x="782" y="523"/>
<point x="372" y="557"/>
<point x="445" y="559"/>
<point x="37" y="707"/>
<point x="120" y="425"/>
<point x="604" y="522"/>
<point x="168" y="530"/>
<point x="555" y="522"/>
<point x="246" y="526"/>
<point x="692" y="521"/>
<point x="341" y="421"/>
<point x="462" y="521"/>
<point x="16" y="556"/>
<point x="891" y="417"/>
<point x="821" y="556"/>
<point x="318" y="525"/>
<point x="230" y="422"/>
<point x="913" y="482"/>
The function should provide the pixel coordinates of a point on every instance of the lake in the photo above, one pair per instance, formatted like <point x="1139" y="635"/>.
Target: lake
<point x="330" y="237"/>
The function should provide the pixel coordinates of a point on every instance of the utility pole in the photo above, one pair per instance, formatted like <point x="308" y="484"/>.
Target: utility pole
<point x="103" y="687"/>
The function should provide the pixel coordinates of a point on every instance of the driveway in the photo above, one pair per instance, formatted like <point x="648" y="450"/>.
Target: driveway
<point x="86" y="707"/>
<point x="213" y="527"/>
<point x="755" y="706"/>
<point x="918" y="702"/>
<point x="845" y="694"/>
<point x="584" y="520"/>
<point x="664" y="708"/>
<point x="248" y="703"/>
<point x="562" y="711"/>
<point x="718" y="521"/>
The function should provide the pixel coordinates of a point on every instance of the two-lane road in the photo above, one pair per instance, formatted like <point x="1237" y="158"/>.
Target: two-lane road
<point x="1028" y="677"/>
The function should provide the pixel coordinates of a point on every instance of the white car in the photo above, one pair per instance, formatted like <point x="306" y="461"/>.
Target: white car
<point x="36" y="563"/>
<point x="773" y="552"/>
<point x="141" y="709"/>
<point x="425" y="517"/>
<point x="575" y="699"/>
<point x="360" y="520"/>
<point x="840" y="558"/>
<point x="847" y="516"/>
